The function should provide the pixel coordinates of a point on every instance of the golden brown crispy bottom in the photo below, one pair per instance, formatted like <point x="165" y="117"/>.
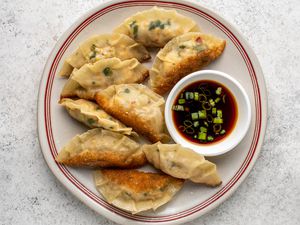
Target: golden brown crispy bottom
<point x="105" y="159"/>
<point x="130" y="119"/>
<point x="139" y="181"/>
<point x="186" y="67"/>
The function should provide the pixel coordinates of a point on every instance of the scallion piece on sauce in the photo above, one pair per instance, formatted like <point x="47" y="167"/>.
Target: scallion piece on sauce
<point x="217" y="128"/>
<point x="219" y="113"/>
<point x="219" y="91"/>
<point x="196" y="96"/>
<point x="212" y="103"/>
<point x="224" y="98"/>
<point x="214" y="111"/>
<point x="210" y="138"/>
<point x="202" y="136"/>
<point x="206" y="105"/>
<point x="222" y="132"/>
<point x="217" y="100"/>
<point x="218" y="120"/>
<point x="178" y="108"/>
<point x="202" y="114"/>
<point x="181" y="101"/>
<point x="187" y="95"/>
<point x="196" y="124"/>
<point x="203" y="129"/>
<point x="194" y="116"/>
<point x="191" y="95"/>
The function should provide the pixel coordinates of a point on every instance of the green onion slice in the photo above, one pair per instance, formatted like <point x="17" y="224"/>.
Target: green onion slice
<point x="187" y="123"/>
<point x="206" y="106"/>
<point x="217" y="128"/>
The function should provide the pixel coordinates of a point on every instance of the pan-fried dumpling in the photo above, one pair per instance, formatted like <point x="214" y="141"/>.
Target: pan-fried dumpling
<point x="136" y="191"/>
<point x="101" y="47"/>
<point x="102" y="148"/>
<point x="136" y="106"/>
<point x="156" y="26"/>
<point x="180" y="162"/>
<point x="90" y="78"/>
<point x="181" y="56"/>
<point x="90" y="114"/>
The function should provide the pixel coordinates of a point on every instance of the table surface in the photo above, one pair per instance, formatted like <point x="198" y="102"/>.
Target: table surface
<point x="30" y="194"/>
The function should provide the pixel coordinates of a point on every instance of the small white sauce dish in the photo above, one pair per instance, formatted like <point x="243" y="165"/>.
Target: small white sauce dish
<point x="243" y="113"/>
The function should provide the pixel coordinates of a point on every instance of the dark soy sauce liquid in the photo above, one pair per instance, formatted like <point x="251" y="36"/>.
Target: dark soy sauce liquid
<point x="229" y="111"/>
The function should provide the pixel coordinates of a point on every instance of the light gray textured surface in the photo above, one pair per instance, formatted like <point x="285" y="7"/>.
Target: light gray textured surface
<point x="30" y="194"/>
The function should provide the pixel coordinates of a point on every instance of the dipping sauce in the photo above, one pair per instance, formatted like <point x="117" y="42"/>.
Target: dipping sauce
<point x="204" y="112"/>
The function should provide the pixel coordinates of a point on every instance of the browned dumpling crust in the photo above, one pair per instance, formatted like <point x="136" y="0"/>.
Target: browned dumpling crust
<point x="136" y="106"/>
<point x="181" y="56"/>
<point x="136" y="191"/>
<point x="104" y="46"/>
<point x="102" y="148"/>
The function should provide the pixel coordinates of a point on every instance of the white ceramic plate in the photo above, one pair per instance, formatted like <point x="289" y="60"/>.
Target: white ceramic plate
<point x="56" y="127"/>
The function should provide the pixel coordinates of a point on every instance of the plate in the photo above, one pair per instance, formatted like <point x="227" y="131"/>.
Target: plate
<point x="55" y="127"/>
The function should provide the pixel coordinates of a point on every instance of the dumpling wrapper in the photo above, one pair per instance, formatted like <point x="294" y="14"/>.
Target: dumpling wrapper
<point x="102" y="148"/>
<point x="156" y="26"/>
<point x="90" y="114"/>
<point x="184" y="163"/>
<point x="138" y="107"/>
<point x="136" y="191"/>
<point x="104" y="46"/>
<point x="90" y="78"/>
<point x="181" y="56"/>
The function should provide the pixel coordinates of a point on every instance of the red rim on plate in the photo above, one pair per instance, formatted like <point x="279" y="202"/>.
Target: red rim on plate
<point x="257" y="136"/>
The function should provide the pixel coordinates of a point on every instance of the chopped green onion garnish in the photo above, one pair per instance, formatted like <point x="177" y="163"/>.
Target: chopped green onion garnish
<point x="194" y="116"/>
<point x="191" y="95"/>
<point x="214" y="111"/>
<point x="187" y="123"/>
<point x="195" y="136"/>
<point x="217" y="100"/>
<point x="181" y="101"/>
<point x="203" y="129"/>
<point x="219" y="91"/>
<point x="219" y="113"/>
<point x="223" y="131"/>
<point x="187" y="95"/>
<point x="224" y="96"/>
<point x="90" y="121"/>
<point x="107" y="71"/>
<point x="210" y="138"/>
<point x="202" y="114"/>
<point x="196" y="96"/>
<point x="202" y="136"/>
<point x="206" y="105"/>
<point x="206" y="123"/>
<point x="178" y="108"/>
<point x="209" y="118"/>
<point x="202" y="98"/>
<point x="212" y="103"/>
<point x="196" y="124"/>
<point x="217" y="128"/>
<point x="218" y="120"/>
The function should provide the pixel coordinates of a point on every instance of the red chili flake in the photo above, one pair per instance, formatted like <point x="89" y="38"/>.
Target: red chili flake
<point x="199" y="39"/>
